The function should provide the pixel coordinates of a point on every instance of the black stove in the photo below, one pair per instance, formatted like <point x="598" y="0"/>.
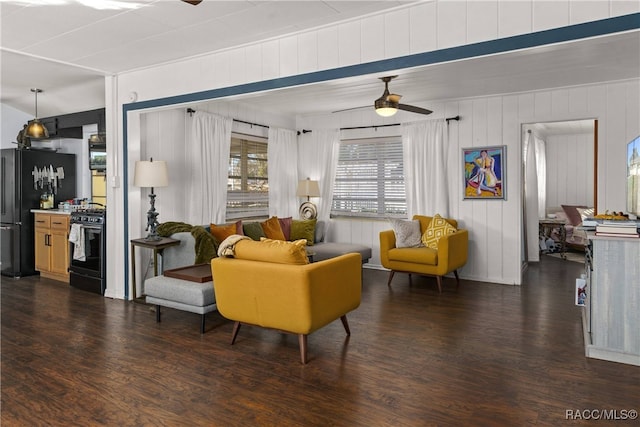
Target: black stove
<point x="88" y="250"/>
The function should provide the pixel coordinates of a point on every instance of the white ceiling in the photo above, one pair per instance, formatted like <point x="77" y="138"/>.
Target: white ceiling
<point x="74" y="46"/>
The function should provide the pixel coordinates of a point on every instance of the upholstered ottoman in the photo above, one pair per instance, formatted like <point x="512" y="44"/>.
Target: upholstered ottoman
<point x="180" y="294"/>
<point x="326" y="250"/>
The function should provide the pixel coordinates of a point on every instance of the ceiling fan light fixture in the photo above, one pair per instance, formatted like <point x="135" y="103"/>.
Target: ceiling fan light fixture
<point x="386" y="108"/>
<point x="35" y="129"/>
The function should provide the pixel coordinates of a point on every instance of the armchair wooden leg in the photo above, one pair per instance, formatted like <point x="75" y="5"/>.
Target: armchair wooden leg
<point x="439" y="278"/>
<point x="345" y="323"/>
<point x="455" y="272"/>
<point x="391" y="273"/>
<point x="158" y="313"/>
<point x="202" y="323"/>
<point x="234" y="334"/>
<point x="410" y="281"/>
<point x="302" y="340"/>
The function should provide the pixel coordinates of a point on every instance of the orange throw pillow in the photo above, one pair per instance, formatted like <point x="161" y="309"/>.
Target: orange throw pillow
<point x="221" y="232"/>
<point x="272" y="229"/>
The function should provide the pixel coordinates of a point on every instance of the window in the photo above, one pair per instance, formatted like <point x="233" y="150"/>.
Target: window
<point x="248" y="184"/>
<point x="370" y="179"/>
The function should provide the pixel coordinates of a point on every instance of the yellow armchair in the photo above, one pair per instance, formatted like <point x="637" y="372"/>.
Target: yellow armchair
<point x="297" y="299"/>
<point x="450" y="255"/>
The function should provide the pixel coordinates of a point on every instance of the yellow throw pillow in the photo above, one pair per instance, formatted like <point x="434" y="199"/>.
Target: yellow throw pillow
<point x="437" y="228"/>
<point x="270" y="250"/>
<point x="272" y="229"/>
<point x="221" y="232"/>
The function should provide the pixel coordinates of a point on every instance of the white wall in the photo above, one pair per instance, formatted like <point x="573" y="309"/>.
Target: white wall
<point x="422" y="27"/>
<point x="495" y="226"/>
<point x="570" y="173"/>
<point x="12" y="121"/>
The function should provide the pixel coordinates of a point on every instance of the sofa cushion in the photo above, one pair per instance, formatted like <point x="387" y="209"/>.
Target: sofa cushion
<point x="303" y="229"/>
<point x="253" y="230"/>
<point x="221" y="232"/>
<point x="437" y="228"/>
<point x="272" y="229"/>
<point x="423" y="255"/>
<point x="407" y="233"/>
<point x="285" y="224"/>
<point x="272" y="250"/>
<point x="182" y="291"/>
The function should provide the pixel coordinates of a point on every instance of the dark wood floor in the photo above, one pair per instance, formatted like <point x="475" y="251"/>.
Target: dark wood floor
<point x="485" y="355"/>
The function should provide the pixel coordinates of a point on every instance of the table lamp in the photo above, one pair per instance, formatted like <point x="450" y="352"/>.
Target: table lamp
<point x="151" y="174"/>
<point x="308" y="188"/>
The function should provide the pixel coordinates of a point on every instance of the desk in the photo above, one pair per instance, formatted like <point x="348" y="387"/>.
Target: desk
<point x="156" y="246"/>
<point x="546" y="226"/>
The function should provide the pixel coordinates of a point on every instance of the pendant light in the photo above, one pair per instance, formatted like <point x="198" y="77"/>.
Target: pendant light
<point x="36" y="129"/>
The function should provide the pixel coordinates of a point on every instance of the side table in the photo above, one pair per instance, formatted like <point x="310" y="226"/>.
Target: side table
<point x="546" y="226"/>
<point x="156" y="246"/>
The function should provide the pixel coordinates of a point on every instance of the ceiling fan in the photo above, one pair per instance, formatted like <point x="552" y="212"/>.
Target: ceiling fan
<point x="193" y="2"/>
<point x="389" y="103"/>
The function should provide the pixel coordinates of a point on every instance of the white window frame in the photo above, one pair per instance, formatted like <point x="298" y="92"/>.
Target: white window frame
<point x="385" y="194"/>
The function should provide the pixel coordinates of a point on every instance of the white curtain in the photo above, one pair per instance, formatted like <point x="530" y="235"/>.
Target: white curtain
<point x="424" y="146"/>
<point x="282" y="153"/>
<point x="210" y="146"/>
<point x="318" y="161"/>
<point x="535" y="180"/>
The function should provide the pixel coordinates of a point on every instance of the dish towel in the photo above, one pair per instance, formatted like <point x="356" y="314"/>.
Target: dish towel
<point x="76" y="236"/>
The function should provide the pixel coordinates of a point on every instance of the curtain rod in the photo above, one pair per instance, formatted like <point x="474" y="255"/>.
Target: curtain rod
<point x="191" y="111"/>
<point x="456" y="118"/>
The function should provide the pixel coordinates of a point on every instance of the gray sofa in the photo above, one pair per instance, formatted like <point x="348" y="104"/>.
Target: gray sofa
<point x="199" y="298"/>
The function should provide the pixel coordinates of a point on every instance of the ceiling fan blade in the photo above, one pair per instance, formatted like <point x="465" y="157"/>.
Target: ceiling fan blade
<point x="193" y="2"/>
<point x="414" y="109"/>
<point x="352" y="108"/>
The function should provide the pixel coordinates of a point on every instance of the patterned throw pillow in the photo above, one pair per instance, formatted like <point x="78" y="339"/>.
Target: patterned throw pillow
<point x="437" y="228"/>
<point x="407" y="233"/>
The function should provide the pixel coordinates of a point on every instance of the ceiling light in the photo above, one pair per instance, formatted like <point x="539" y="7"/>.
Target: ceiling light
<point x="35" y="129"/>
<point x="386" y="108"/>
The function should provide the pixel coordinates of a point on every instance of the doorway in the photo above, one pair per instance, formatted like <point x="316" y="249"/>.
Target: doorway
<point x="559" y="179"/>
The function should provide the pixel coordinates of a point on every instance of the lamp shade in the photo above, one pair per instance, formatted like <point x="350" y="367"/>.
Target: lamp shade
<point x="151" y="174"/>
<point x="37" y="130"/>
<point x="308" y="188"/>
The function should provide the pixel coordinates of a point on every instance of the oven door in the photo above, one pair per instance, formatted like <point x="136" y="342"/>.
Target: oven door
<point x="92" y="262"/>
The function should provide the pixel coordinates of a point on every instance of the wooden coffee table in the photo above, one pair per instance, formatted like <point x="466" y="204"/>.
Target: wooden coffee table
<point x="199" y="273"/>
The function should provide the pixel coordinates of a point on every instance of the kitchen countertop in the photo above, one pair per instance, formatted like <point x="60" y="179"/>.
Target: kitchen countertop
<point x="51" y="211"/>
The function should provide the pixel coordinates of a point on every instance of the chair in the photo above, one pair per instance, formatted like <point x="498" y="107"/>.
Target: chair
<point x="450" y="255"/>
<point x="258" y="288"/>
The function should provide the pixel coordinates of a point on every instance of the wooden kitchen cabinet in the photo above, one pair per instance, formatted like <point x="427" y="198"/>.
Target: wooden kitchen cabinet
<point x="52" y="246"/>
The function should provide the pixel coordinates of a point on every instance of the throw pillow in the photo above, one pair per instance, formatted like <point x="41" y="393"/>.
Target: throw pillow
<point x="573" y="214"/>
<point x="285" y="224"/>
<point x="407" y="233"/>
<point x="221" y="232"/>
<point x="275" y="251"/>
<point x="437" y="228"/>
<point x="272" y="229"/>
<point x="586" y="213"/>
<point x="303" y="229"/>
<point x="253" y="230"/>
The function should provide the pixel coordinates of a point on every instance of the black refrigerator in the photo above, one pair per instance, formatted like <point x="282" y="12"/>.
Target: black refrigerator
<point x="24" y="176"/>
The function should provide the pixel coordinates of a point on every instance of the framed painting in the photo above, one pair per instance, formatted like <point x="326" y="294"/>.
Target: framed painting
<point x="484" y="168"/>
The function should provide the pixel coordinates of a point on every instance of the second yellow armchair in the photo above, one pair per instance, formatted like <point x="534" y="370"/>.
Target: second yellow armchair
<point x="450" y="255"/>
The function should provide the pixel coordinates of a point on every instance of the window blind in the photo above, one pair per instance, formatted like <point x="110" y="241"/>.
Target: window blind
<point x="248" y="183"/>
<point x="370" y="179"/>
